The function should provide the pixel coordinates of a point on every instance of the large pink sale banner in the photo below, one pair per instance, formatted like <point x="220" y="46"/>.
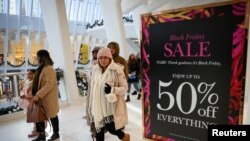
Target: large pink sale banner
<point x="193" y="62"/>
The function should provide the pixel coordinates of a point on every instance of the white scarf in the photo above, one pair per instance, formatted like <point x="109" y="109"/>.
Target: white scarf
<point x="102" y="110"/>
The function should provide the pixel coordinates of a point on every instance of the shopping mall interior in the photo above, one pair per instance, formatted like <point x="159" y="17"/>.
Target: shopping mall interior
<point x="69" y="30"/>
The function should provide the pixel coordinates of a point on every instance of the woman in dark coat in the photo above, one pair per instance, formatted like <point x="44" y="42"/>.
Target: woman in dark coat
<point x="133" y="73"/>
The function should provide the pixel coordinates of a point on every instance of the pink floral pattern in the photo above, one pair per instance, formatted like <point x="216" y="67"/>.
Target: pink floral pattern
<point x="238" y="46"/>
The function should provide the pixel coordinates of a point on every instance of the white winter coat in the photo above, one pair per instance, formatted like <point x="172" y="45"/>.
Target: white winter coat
<point x="119" y="89"/>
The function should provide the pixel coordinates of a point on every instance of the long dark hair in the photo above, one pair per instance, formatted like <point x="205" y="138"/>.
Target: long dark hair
<point x="116" y="46"/>
<point x="44" y="58"/>
<point x="131" y="60"/>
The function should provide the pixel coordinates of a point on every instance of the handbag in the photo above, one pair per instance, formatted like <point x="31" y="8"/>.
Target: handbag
<point x="36" y="113"/>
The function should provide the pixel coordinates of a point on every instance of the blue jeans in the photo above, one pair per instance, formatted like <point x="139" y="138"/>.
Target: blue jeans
<point x="136" y="86"/>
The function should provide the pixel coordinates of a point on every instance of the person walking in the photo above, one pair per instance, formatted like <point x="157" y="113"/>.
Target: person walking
<point x="133" y="70"/>
<point x="94" y="55"/>
<point x="94" y="62"/>
<point x="45" y="92"/>
<point x="115" y="51"/>
<point x="107" y="107"/>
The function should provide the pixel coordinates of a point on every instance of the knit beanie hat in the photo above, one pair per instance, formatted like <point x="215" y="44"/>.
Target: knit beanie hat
<point x="104" y="52"/>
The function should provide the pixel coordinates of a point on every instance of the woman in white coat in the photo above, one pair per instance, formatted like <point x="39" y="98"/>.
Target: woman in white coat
<point x="107" y="108"/>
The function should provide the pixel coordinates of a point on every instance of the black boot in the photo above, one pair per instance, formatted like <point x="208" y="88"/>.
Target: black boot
<point x="128" y="99"/>
<point x="54" y="137"/>
<point x="139" y="96"/>
<point x="134" y="93"/>
<point x="41" y="137"/>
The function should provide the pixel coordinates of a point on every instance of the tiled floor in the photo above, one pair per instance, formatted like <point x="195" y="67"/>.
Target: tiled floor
<point x="72" y="126"/>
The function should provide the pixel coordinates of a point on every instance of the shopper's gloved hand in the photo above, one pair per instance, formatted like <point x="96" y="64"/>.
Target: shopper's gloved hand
<point x="107" y="88"/>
